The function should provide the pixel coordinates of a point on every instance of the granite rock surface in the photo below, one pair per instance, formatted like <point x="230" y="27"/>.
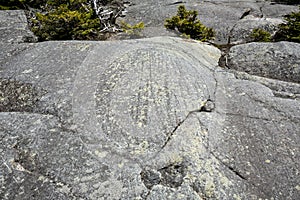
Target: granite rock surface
<point x="232" y="20"/>
<point x="154" y="118"/>
<point x="278" y="60"/>
<point x="14" y="27"/>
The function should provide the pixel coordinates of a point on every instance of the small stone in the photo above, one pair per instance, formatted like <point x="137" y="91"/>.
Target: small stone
<point x="268" y="161"/>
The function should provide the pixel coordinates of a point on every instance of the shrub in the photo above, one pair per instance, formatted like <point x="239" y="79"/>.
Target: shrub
<point x="260" y="35"/>
<point x="290" y="30"/>
<point x="132" y="29"/>
<point x="68" y="19"/>
<point x="187" y="23"/>
<point x="64" y="23"/>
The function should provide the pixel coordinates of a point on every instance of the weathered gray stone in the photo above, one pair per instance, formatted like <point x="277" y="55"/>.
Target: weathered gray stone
<point x="142" y="119"/>
<point x="241" y="32"/>
<point x="14" y="27"/>
<point x="273" y="60"/>
<point x="227" y="18"/>
<point x="280" y="89"/>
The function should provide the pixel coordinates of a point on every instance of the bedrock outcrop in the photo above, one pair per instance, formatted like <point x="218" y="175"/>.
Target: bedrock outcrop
<point x="278" y="60"/>
<point x="153" y="118"/>
<point x="232" y="20"/>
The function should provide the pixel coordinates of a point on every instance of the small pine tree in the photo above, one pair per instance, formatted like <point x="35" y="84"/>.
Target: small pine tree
<point x="132" y="29"/>
<point x="290" y="30"/>
<point x="260" y="35"/>
<point x="187" y="23"/>
<point x="66" y="22"/>
<point x="62" y="19"/>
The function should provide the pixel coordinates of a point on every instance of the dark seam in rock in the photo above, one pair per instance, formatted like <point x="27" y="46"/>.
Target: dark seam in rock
<point x="278" y="121"/>
<point x="214" y="96"/>
<point x="231" y="168"/>
<point x="237" y="172"/>
<point x="224" y="48"/>
<point x="36" y="173"/>
<point x="223" y="163"/>
<point x="261" y="11"/>
<point x="227" y="166"/>
<point x="170" y="135"/>
<point x="175" y="3"/>
<point x="199" y="194"/>
<point x="203" y="108"/>
<point x="247" y="116"/>
<point x="148" y="194"/>
<point x="246" y="13"/>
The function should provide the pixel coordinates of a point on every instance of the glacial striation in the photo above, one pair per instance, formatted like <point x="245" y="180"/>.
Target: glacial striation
<point x="154" y="118"/>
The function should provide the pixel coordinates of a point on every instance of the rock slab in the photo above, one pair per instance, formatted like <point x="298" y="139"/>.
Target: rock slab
<point x="272" y="60"/>
<point x="142" y="119"/>
<point x="159" y="120"/>
<point x="14" y="27"/>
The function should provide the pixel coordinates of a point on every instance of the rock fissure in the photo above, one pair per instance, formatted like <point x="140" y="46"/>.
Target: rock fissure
<point x="224" y="48"/>
<point x="232" y="169"/>
<point x="236" y="172"/>
<point x="176" y="3"/>
<point x="170" y="135"/>
<point x="173" y="174"/>
<point x="99" y="136"/>
<point x="213" y="97"/>
<point x="207" y="106"/>
<point x="246" y="13"/>
<point x="248" y="116"/>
